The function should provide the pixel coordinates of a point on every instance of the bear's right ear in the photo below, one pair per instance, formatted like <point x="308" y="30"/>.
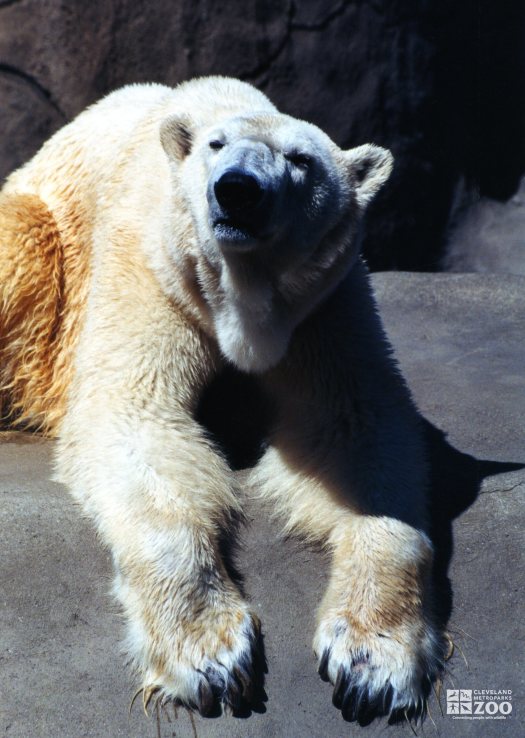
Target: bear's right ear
<point x="176" y="136"/>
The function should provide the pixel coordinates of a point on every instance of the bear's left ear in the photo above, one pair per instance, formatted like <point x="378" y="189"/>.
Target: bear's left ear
<point x="369" y="167"/>
<point x="176" y="136"/>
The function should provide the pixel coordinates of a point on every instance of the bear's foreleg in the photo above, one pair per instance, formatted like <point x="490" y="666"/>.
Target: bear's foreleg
<point x="346" y="469"/>
<point x="161" y="498"/>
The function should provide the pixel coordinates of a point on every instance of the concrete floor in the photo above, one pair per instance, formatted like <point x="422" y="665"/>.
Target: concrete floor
<point x="460" y="340"/>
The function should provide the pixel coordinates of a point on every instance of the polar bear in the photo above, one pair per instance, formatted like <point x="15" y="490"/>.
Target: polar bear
<point x="160" y="236"/>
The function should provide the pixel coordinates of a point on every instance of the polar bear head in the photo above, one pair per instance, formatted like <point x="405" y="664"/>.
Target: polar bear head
<point x="276" y="207"/>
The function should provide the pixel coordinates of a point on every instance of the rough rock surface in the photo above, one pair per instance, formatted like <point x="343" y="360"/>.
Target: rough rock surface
<point x="459" y="340"/>
<point x="490" y="237"/>
<point x="439" y="82"/>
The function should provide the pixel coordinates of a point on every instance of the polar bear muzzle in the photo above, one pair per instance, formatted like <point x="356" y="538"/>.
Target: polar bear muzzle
<point x="243" y="192"/>
<point x="238" y="206"/>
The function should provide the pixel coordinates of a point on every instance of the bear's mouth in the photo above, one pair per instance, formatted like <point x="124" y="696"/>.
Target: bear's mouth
<point x="230" y="232"/>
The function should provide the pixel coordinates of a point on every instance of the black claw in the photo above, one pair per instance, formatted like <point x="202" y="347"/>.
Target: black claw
<point x="206" y="701"/>
<point x="357" y="703"/>
<point x="234" y="693"/>
<point x="361" y="699"/>
<point x="387" y="699"/>
<point x="416" y="711"/>
<point x="323" y="665"/>
<point x="349" y="704"/>
<point x="241" y="690"/>
<point x="246" y="683"/>
<point x="211" y="693"/>
<point x="245" y="680"/>
<point x="369" y="708"/>
<point x="339" y="687"/>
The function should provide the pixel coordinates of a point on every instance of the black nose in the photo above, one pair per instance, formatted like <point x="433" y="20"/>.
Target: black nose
<point x="237" y="190"/>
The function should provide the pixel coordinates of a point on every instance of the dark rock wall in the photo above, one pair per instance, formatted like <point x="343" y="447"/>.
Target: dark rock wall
<point x="440" y="82"/>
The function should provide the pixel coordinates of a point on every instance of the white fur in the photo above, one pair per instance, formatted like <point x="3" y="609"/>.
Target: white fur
<point x="161" y="307"/>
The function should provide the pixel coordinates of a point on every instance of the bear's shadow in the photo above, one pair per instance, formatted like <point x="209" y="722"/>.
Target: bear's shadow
<point x="237" y="417"/>
<point x="455" y="482"/>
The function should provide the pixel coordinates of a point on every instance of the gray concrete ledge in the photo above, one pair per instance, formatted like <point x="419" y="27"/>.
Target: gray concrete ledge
<point x="460" y="340"/>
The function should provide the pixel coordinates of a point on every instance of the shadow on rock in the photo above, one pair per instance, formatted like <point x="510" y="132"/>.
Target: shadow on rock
<point x="237" y="417"/>
<point x="455" y="481"/>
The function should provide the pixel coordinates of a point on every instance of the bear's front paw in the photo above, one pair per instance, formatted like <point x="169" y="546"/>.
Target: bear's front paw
<point x="212" y="663"/>
<point x="378" y="673"/>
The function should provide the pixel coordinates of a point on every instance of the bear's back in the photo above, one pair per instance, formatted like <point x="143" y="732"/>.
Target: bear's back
<point x="88" y="157"/>
<point x="48" y="212"/>
<point x="81" y="154"/>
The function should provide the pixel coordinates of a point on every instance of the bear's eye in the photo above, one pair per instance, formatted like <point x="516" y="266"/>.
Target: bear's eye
<point x="215" y="144"/>
<point x="298" y="159"/>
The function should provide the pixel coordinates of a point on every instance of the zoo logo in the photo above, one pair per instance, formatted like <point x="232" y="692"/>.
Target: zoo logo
<point x="468" y="704"/>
